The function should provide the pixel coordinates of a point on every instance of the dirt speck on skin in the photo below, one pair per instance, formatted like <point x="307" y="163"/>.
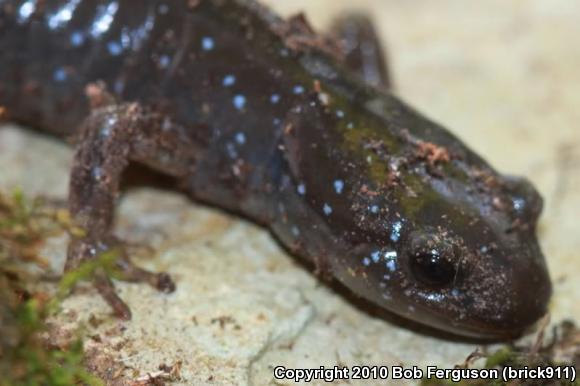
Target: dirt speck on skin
<point x="432" y="153"/>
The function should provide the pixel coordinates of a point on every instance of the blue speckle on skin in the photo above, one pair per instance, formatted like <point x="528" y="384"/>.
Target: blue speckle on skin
<point x="275" y="98"/>
<point x="231" y="149"/>
<point x="327" y="209"/>
<point x="455" y="292"/>
<point x="207" y="43"/>
<point x="164" y="61"/>
<point x="59" y="75"/>
<point x="104" y="19"/>
<point x="374" y="209"/>
<point x="239" y="102"/>
<point x="26" y="10"/>
<point x="298" y="89"/>
<point x="396" y="231"/>
<point x="295" y="231"/>
<point x="338" y="186"/>
<point x="366" y="261"/>
<point x="391" y="255"/>
<point x="163" y="9"/>
<point x="114" y="48"/>
<point x="340" y="113"/>
<point x="97" y="173"/>
<point x="77" y="39"/>
<point x="376" y="255"/>
<point x="229" y="80"/>
<point x="391" y="265"/>
<point x="241" y="138"/>
<point x="518" y="204"/>
<point x="434" y="297"/>
<point x="301" y="189"/>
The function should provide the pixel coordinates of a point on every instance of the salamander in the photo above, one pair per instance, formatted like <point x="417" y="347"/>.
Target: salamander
<point x="297" y="131"/>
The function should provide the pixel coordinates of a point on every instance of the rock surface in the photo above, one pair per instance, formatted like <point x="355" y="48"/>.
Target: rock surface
<point x="502" y="74"/>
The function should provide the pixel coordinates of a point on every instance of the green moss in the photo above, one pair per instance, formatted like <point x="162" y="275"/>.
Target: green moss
<point x="566" y="341"/>
<point x="25" y="358"/>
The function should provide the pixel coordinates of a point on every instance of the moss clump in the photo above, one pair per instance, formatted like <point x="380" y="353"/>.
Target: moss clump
<point x="562" y="350"/>
<point x="25" y="358"/>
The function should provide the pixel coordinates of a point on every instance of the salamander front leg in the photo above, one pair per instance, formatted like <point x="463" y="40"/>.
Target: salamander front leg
<point x="111" y="137"/>
<point x="363" y="52"/>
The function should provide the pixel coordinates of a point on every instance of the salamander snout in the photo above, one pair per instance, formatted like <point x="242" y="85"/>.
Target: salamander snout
<point x="526" y="203"/>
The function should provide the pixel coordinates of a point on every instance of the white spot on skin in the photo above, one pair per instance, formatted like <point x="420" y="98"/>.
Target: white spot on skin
<point x="396" y="231"/>
<point x="104" y="19"/>
<point x="239" y="102"/>
<point x="390" y="255"/>
<point x="63" y="15"/>
<point x="374" y="209"/>
<point x="340" y="113"/>
<point x="376" y="255"/>
<point x="274" y="98"/>
<point x="327" y="209"/>
<point x="350" y="125"/>
<point x="241" y="138"/>
<point x="301" y="189"/>
<point x="434" y="297"/>
<point x="207" y="43"/>
<point x="366" y="261"/>
<point x="391" y="265"/>
<point x="338" y="186"/>
<point x="26" y="10"/>
<point x="518" y="204"/>
<point x="229" y="80"/>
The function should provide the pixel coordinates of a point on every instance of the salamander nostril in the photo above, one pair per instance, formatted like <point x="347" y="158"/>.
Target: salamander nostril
<point x="526" y="202"/>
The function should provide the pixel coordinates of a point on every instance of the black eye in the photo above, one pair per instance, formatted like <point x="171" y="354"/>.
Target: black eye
<point x="432" y="262"/>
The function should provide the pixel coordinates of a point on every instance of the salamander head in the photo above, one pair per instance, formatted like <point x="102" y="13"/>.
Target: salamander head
<point x="422" y="225"/>
<point x="451" y="243"/>
<point x="462" y="262"/>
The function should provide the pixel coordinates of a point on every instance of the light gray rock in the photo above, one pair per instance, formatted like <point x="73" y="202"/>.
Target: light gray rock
<point x="502" y="74"/>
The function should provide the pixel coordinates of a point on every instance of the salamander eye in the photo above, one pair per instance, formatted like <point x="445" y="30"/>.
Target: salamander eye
<point x="432" y="262"/>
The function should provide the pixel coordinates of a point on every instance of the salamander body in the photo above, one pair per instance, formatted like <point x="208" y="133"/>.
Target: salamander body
<point x="264" y="118"/>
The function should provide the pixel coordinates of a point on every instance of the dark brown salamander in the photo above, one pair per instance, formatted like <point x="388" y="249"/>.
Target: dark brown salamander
<point x="264" y="118"/>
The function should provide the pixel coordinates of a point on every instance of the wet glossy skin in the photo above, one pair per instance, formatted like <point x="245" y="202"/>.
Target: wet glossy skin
<point x="256" y="118"/>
